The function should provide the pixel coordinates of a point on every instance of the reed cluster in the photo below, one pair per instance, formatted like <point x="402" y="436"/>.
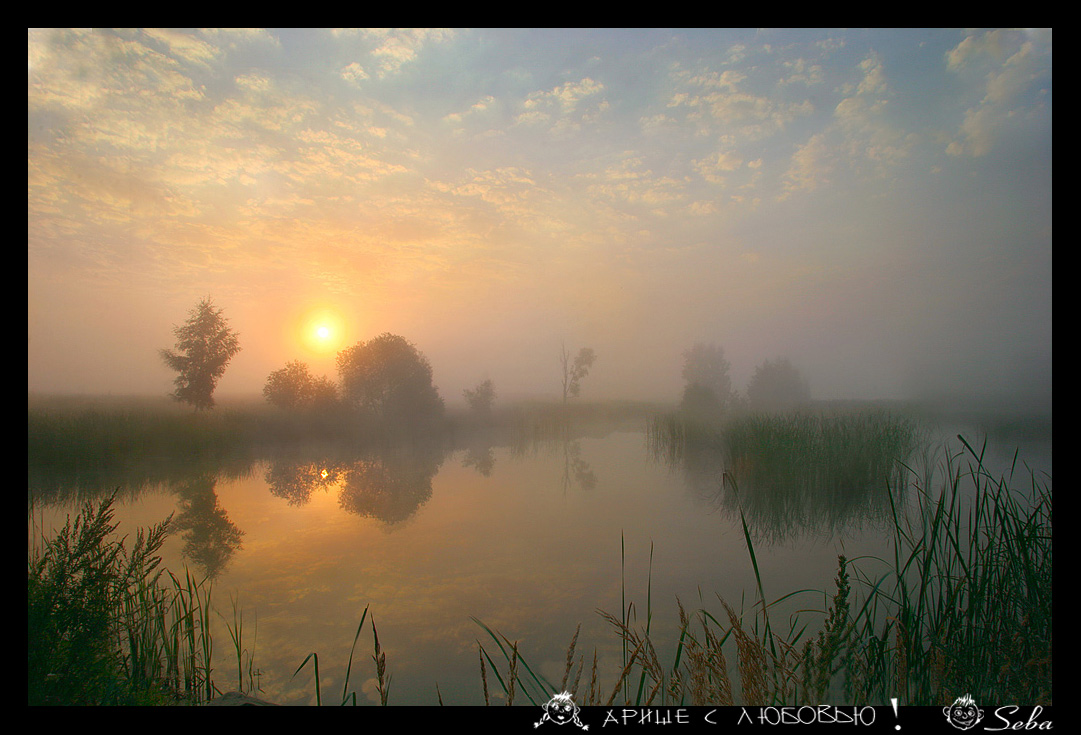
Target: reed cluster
<point x="107" y="625"/>
<point x="104" y="627"/>
<point x="963" y="607"/>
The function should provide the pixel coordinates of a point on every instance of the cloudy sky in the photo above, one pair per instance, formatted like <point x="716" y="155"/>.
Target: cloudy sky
<point x="873" y="204"/>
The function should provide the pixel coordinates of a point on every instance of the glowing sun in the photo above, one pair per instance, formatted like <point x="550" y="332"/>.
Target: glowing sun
<point x="321" y="331"/>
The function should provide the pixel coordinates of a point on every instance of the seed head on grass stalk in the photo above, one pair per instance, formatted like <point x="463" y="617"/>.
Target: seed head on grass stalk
<point x="570" y="659"/>
<point x="513" y="675"/>
<point x="380" y="658"/>
<point x="483" y="674"/>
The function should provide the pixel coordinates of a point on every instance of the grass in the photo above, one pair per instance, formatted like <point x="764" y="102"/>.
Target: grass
<point x="106" y="625"/>
<point x="964" y="606"/>
<point x="799" y="471"/>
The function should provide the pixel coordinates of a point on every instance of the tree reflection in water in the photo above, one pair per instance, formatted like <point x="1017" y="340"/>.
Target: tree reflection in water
<point x="210" y="538"/>
<point x="295" y="481"/>
<point x="388" y="484"/>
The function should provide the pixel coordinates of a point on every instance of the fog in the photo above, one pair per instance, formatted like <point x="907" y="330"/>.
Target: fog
<point x="874" y="206"/>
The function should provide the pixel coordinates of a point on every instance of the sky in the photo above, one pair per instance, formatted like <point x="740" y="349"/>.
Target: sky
<point x="874" y="205"/>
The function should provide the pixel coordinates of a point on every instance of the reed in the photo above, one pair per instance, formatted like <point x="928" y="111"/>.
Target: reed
<point x="104" y="626"/>
<point x="963" y="606"/>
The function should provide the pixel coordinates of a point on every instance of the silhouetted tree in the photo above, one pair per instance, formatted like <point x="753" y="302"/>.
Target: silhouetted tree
<point x="204" y="347"/>
<point x="481" y="398"/>
<point x="708" y="387"/>
<point x="777" y="385"/>
<point x="700" y="402"/>
<point x="573" y="372"/>
<point x="294" y="387"/>
<point x="388" y="378"/>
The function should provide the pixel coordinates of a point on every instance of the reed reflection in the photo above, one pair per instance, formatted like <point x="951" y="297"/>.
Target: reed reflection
<point x="792" y="475"/>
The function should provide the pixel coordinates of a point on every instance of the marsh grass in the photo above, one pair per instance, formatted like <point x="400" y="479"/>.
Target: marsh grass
<point x="107" y="625"/>
<point x="379" y="657"/>
<point x="963" y="606"/>
<point x="966" y="602"/>
<point x="797" y="472"/>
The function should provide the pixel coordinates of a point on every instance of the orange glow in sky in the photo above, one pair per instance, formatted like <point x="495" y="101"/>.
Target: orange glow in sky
<point x="322" y="331"/>
<point x="814" y="193"/>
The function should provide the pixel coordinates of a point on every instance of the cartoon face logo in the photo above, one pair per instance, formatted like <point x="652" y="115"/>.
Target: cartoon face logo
<point x="561" y="709"/>
<point x="963" y="713"/>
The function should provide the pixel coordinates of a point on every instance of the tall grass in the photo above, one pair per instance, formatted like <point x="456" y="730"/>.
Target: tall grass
<point x="106" y="625"/>
<point x="962" y="607"/>
<point x="799" y="471"/>
<point x="966" y="603"/>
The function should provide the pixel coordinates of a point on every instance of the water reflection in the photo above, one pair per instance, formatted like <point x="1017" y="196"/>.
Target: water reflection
<point x="480" y="458"/>
<point x="210" y="538"/>
<point x="295" y="481"/>
<point x="793" y="476"/>
<point x="554" y="435"/>
<point x="391" y="485"/>
<point x="388" y="483"/>
<point x="576" y="471"/>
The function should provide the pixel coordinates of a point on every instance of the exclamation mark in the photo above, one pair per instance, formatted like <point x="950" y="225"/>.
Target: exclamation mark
<point x="894" y="703"/>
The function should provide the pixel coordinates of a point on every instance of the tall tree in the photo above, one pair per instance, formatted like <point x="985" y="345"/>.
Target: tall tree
<point x="777" y="385"/>
<point x="388" y="378"/>
<point x="708" y="385"/>
<point x="573" y="372"/>
<point x="204" y="346"/>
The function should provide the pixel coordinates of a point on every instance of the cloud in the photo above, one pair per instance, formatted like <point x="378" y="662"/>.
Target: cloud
<point x="714" y="167"/>
<point x="395" y="48"/>
<point x="184" y="46"/>
<point x="718" y="103"/>
<point x="564" y="106"/>
<point x="809" y="167"/>
<point x="1005" y="67"/>
<point x="353" y="72"/>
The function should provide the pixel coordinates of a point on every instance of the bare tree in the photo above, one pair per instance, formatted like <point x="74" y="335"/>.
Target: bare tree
<point x="573" y="372"/>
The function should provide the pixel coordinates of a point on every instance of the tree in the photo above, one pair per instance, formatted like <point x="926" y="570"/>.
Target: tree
<point x="293" y="387"/>
<point x="700" y="402"/>
<point x="574" y="372"/>
<point x="708" y="386"/>
<point x="388" y="378"/>
<point x="204" y="346"/>
<point x="481" y="398"/>
<point x="777" y="385"/>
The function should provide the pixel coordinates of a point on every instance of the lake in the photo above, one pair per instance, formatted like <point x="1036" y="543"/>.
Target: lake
<point x="530" y="538"/>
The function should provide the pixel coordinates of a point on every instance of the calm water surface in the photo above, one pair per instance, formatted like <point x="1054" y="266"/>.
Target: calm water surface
<point x="531" y="542"/>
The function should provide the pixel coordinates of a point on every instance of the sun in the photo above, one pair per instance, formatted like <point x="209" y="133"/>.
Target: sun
<point x="321" y="331"/>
